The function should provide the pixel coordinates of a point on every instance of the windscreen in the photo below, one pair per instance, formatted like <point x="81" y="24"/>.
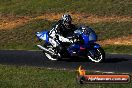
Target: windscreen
<point x="92" y="35"/>
<point x="87" y="31"/>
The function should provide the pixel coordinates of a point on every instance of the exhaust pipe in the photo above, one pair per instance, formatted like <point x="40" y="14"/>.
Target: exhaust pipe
<point x="46" y="50"/>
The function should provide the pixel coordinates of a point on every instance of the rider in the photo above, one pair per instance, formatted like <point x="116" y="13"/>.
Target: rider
<point x="62" y="29"/>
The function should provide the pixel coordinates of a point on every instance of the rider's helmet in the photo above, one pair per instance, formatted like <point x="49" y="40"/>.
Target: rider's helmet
<point x="66" y="19"/>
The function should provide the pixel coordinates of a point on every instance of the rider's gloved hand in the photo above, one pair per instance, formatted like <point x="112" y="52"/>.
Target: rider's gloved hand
<point x="63" y="39"/>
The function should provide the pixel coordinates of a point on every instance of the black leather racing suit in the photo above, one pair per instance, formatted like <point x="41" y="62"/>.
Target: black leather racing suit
<point x="62" y="31"/>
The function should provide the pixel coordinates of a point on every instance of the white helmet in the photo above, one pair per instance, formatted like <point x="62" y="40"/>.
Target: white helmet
<point x="66" y="18"/>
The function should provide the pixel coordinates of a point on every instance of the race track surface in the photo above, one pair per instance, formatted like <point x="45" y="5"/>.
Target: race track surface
<point x="113" y="63"/>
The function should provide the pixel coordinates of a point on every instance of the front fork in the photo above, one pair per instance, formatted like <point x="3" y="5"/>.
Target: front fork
<point x="92" y="47"/>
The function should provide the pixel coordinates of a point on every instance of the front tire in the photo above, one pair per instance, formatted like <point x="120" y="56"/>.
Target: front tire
<point x="97" y="55"/>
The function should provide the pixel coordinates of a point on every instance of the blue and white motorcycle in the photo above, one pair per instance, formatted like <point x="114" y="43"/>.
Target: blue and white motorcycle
<point x="83" y="45"/>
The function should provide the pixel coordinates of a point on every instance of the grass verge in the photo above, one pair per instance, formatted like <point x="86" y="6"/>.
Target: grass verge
<point x="35" y="77"/>
<point x="118" y="49"/>
<point x="35" y="7"/>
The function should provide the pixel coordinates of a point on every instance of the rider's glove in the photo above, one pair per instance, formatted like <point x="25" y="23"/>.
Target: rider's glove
<point x="63" y="39"/>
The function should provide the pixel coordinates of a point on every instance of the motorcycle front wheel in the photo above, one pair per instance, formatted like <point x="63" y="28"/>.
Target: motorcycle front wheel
<point x="96" y="55"/>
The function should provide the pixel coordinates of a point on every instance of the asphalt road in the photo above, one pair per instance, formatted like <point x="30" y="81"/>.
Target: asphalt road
<point x="113" y="63"/>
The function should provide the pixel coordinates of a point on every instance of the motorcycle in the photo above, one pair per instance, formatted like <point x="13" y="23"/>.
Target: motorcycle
<point x="84" y="44"/>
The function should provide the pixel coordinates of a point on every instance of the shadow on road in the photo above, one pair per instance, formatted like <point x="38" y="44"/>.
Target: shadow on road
<point x="115" y="60"/>
<point x="107" y="60"/>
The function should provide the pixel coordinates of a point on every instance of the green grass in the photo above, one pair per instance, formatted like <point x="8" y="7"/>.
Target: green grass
<point x="23" y="37"/>
<point x="118" y="49"/>
<point x="35" y="7"/>
<point x="36" y="77"/>
<point x="112" y="29"/>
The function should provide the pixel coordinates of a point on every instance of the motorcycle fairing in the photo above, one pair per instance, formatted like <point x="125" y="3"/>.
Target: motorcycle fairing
<point x="43" y="35"/>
